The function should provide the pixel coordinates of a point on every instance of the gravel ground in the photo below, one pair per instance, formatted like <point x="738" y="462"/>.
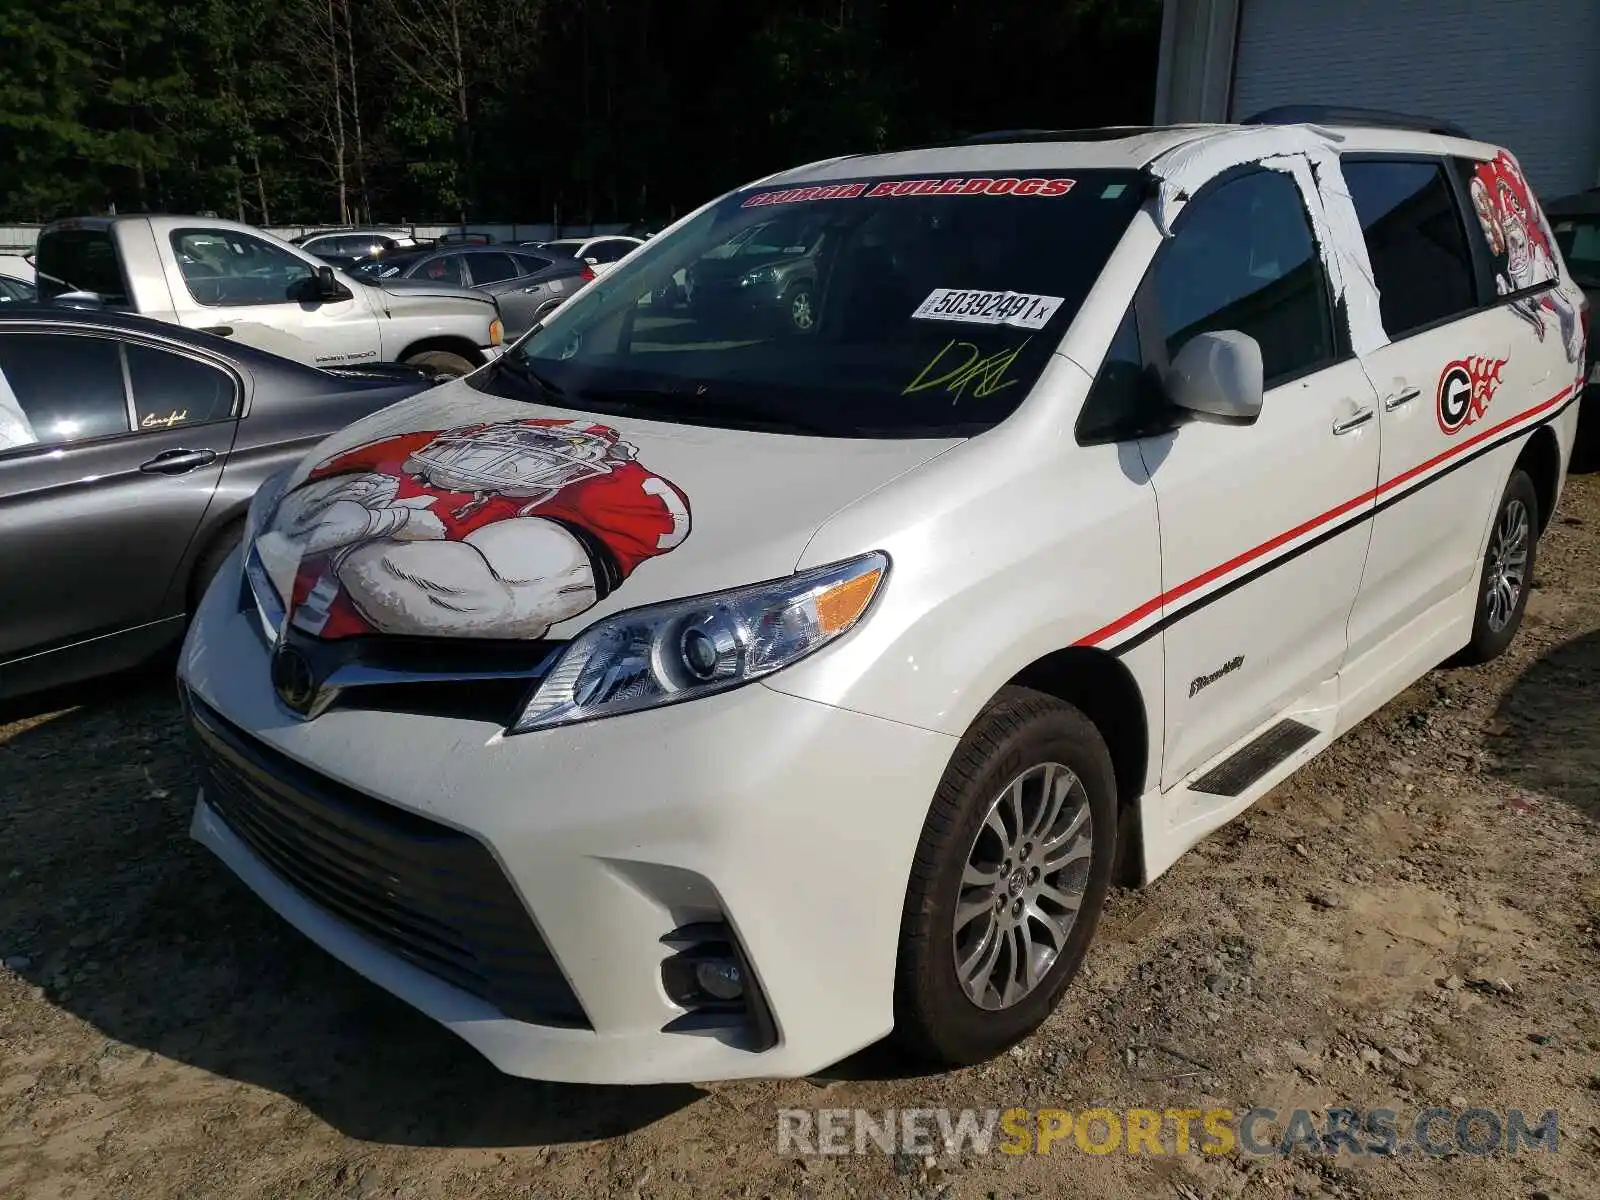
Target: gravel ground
<point x="1410" y="921"/>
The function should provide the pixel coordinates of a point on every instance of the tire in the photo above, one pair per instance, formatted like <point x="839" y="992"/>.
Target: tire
<point x="1021" y="735"/>
<point x="443" y="362"/>
<point x="800" y="309"/>
<point x="1507" y="566"/>
<point x="210" y="562"/>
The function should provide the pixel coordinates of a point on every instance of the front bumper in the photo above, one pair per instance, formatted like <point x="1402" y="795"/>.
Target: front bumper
<point x="793" y="822"/>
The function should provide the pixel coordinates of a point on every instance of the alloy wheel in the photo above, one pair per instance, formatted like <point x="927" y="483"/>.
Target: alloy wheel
<point x="1508" y="564"/>
<point x="1023" y="885"/>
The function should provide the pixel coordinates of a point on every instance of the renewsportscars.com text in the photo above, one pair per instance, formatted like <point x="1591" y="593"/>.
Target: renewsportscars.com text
<point x="1257" y="1131"/>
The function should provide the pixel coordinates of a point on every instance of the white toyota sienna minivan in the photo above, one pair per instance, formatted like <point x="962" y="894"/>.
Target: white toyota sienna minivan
<point x="790" y="641"/>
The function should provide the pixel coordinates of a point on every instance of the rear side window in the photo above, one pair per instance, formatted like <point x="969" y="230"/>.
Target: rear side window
<point x="528" y="264"/>
<point x="1243" y="258"/>
<point x="80" y="260"/>
<point x="610" y="250"/>
<point x="59" y="388"/>
<point x="491" y="268"/>
<point x="1511" y="224"/>
<point x="171" y="390"/>
<point x="1415" y="239"/>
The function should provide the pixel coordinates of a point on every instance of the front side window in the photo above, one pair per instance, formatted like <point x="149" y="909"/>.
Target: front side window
<point x="921" y="307"/>
<point x="442" y="268"/>
<point x="170" y="389"/>
<point x="1415" y="239"/>
<point x="221" y="268"/>
<point x="1243" y="258"/>
<point x="1124" y="399"/>
<point x="56" y="389"/>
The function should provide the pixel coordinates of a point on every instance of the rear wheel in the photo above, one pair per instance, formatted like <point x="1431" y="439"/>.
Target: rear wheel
<point x="1008" y="882"/>
<point x="442" y="362"/>
<point x="1507" y="573"/>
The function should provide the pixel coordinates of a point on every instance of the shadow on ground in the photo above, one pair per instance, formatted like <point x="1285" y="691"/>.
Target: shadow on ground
<point x="133" y="928"/>
<point x="1549" y="735"/>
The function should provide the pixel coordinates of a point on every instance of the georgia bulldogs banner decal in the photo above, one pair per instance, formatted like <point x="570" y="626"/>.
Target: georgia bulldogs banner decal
<point x="1465" y="388"/>
<point x="982" y="185"/>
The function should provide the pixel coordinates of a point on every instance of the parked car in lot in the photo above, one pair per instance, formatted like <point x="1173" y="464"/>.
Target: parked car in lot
<point x="601" y="253"/>
<point x="767" y="273"/>
<point x="527" y="285"/>
<point x="17" y="291"/>
<point x="237" y="282"/>
<point x="342" y="247"/>
<point x="129" y="449"/>
<point x="673" y="700"/>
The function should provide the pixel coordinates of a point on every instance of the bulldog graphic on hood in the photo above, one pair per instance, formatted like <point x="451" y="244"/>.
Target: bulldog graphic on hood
<point x="494" y="530"/>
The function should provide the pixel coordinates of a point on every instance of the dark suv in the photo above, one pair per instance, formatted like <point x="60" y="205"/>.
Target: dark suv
<point x="768" y="273"/>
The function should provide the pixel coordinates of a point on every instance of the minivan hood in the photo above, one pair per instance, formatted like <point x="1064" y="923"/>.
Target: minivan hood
<point x="458" y="514"/>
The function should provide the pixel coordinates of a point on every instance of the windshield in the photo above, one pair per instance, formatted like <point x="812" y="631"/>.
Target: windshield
<point x="867" y="308"/>
<point x="1579" y="239"/>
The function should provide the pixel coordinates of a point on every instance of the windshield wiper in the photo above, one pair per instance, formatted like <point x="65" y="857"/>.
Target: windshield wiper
<point x="698" y="408"/>
<point x="517" y="367"/>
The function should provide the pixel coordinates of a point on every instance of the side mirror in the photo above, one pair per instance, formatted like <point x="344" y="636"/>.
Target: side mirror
<point x="86" y="300"/>
<point x="1218" y="374"/>
<point x="324" y="286"/>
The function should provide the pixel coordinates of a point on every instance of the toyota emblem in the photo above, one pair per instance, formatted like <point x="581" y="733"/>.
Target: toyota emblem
<point x="293" y="680"/>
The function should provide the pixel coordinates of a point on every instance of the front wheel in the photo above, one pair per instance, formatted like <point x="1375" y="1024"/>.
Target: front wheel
<point x="1507" y="574"/>
<point x="442" y="362"/>
<point x="1009" y="878"/>
<point x="802" y="310"/>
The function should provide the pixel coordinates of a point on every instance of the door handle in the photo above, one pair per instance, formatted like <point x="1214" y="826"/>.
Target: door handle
<point x="177" y="462"/>
<point x="1390" y="403"/>
<point x="1353" y="422"/>
<point x="219" y="330"/>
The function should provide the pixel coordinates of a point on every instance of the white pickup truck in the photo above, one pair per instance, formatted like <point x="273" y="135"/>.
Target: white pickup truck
<point x="240" y="282"/>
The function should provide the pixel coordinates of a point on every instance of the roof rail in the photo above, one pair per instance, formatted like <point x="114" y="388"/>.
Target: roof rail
<point x="1109" y="133"/>
<point x="1333" y="114"/>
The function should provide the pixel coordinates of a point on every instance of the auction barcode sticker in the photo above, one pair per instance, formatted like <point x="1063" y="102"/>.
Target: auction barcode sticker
<point x="1021" y="309"/>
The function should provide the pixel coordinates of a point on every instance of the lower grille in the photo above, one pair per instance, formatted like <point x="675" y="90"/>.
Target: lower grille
<point x="430" y="894"/>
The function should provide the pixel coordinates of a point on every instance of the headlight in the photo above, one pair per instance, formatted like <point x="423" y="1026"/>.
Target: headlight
<point x="497" y="332"/>
<point x="759" y="276"/>
<point x="269" y="605"/>
<point x="263" y="504"/>
<point x="706" y="644"/>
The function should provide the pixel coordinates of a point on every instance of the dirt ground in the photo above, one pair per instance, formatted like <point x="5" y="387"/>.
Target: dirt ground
<point x="1413" y="920"/>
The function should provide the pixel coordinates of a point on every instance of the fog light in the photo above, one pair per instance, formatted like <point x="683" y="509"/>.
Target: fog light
<point x="719" y="979"/>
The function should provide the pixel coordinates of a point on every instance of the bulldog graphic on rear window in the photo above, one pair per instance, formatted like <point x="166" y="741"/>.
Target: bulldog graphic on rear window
<point x="494" y="530"/>
<point x="1523" y="248"/>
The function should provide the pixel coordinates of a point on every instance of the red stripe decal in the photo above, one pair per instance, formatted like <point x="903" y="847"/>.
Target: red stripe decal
<point x="1150" y="607"/>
